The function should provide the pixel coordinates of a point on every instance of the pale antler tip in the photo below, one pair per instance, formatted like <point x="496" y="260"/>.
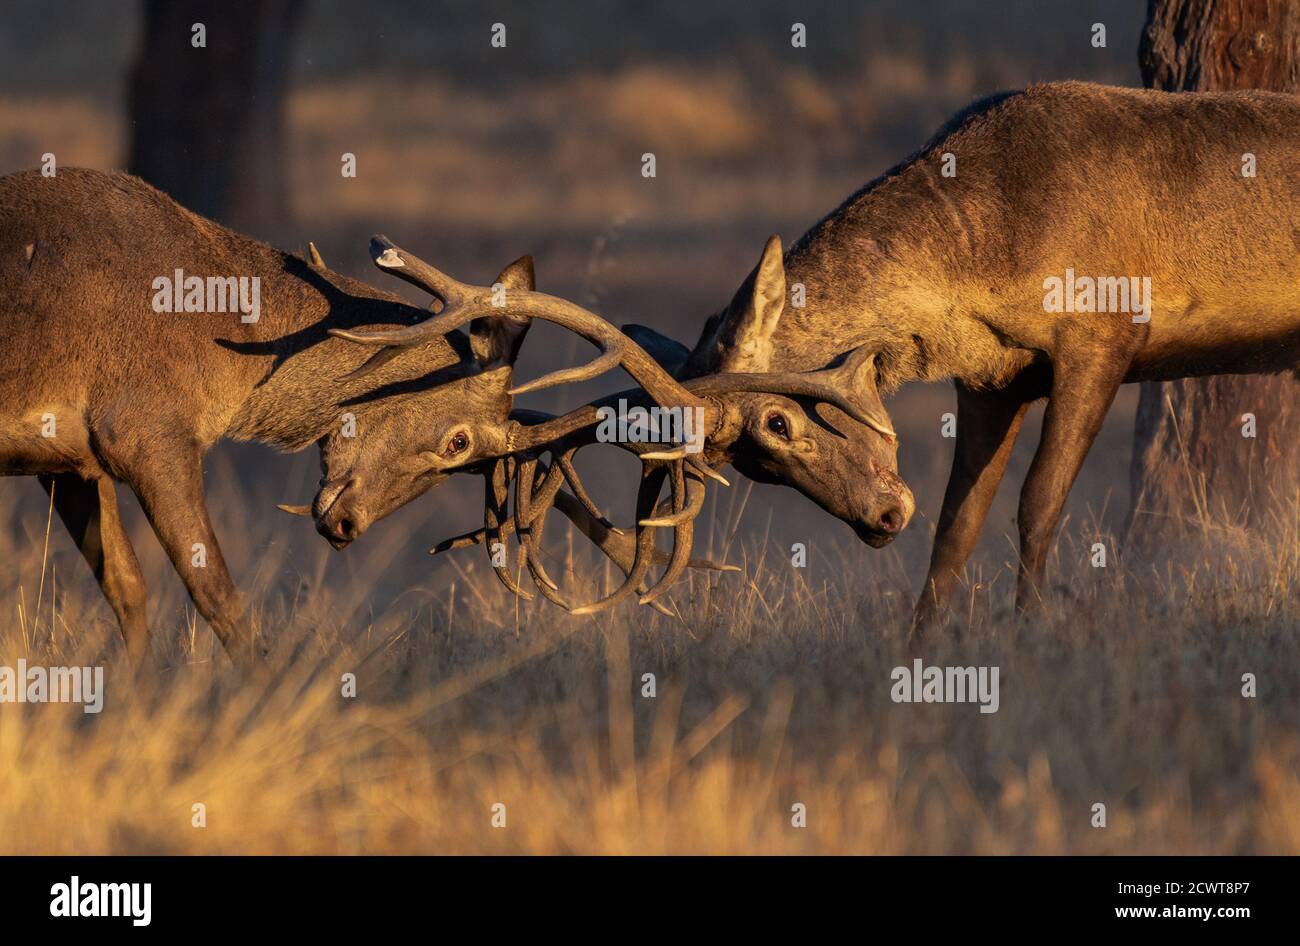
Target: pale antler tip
<point x="389" y="259"/>
<point x="710" y="473"/>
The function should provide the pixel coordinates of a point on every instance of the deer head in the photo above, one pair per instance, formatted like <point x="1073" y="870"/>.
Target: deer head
<point x="845" y="462"/>
<point x="409" y="436"/>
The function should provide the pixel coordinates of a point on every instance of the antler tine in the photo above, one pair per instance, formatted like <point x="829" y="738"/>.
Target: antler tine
<point x="699" y="466"/>
<point x="610" y="359"/>
<point x="687" y="500"/>
<point x="617" y="546"/>
<point x="687" y="503"/>
<point x="532" y="510"/>
<point x="525" y="482"/>
<point x="531" y="521"/>
<point x="462" y="541"/>
<point x="681" y="513"/>
<point x="386" y="255"/>
<point x="682" y="534"/>
<point x="533" y="536"/>
<point x="463" y="303"/>
<point x="541" y="500"/>
<point x="652" y="479"/>
<point x="494" y="506"/>
<point x="565" y="462"/>
<point x="780" y="382"/>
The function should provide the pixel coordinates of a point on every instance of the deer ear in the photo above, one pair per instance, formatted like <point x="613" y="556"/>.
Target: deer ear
<point x="746" y="331"/>
<point x="519" y="275"/>
<point x="670" y="354"/>
<point x="496" y="340"/>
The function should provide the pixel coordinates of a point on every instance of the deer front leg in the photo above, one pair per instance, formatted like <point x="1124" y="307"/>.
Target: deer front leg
<point x="1085" y="379"/>
<point x="89" y="511"/>
<point x="987" y="425"/>
<point x="170" y="489"/>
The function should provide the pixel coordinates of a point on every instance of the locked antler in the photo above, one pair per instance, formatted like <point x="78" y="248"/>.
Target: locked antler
<point x="537" y="488"/>
<point x="460" y="303"/>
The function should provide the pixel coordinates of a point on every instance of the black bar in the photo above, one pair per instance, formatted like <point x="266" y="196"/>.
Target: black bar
<point x="330" y="896"/>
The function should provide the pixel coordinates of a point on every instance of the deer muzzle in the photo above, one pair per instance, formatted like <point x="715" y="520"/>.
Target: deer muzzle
<point x="887" y="512"/>
<point x="336" y="518"/>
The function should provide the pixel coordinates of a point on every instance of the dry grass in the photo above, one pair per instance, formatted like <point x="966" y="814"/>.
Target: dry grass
<point x="774" y="692"/>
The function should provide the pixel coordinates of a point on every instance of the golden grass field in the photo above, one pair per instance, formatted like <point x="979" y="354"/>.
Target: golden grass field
<point x="773" y="691"/>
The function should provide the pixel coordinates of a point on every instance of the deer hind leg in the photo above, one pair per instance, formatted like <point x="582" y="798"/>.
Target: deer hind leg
<point x="169" y="485"/>
<point x="1086" y="376"/>
<point x="88" y="508"/>
<point x="987" y="425"/>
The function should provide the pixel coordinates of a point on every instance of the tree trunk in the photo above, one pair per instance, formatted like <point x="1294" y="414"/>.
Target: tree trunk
<point x="207" y="123"/>
<point x="1192" y="466"/>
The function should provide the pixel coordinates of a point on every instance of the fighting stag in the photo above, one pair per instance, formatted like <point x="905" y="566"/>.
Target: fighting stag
<point x="739" y="411"/>
<point x="1025" y="255"/>
<point x="101" y="384"/>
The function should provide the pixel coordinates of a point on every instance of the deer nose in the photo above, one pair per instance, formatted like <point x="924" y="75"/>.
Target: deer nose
<point x="892" y="520"/>
<point x="339" y="531"/>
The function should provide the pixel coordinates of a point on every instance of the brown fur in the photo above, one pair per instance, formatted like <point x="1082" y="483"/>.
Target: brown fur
<point x="140" y="396"/>
<point x="944" y="277"/>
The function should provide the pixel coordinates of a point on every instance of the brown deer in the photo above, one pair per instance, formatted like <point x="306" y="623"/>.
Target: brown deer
<point x="100" y="386"/>
<point x="981" y="258"/>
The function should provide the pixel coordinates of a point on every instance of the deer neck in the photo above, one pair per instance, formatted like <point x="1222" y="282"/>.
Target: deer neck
<point x="899" y="267"/>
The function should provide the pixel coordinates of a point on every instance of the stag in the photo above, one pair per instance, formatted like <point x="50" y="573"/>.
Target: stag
<point x="1001" y="256"/>
<point x="753" y="419"/>
<point x="100" y="387"/>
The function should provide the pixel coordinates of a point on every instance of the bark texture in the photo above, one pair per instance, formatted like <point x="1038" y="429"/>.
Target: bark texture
<point x="207" y="123"/>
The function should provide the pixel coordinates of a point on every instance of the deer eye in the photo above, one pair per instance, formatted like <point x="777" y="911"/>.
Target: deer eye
<point x="459" y="443"/>
<point x="777" y="425"/>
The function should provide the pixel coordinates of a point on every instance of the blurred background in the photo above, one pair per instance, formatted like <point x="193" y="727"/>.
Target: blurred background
<point x="472" y="155"/>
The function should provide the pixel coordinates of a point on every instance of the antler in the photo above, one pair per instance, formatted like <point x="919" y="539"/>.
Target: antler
<point x="840" y="386"/>
<point x="458" y="304"/>
<point x="538" y="490"/>
<point x="461" y="303"/>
